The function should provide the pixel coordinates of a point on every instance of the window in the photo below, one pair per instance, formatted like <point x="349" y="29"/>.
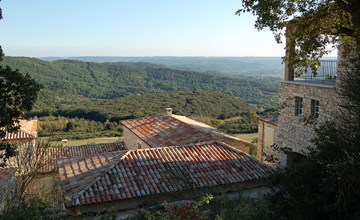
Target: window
<point x="295" y="158"/>
<point x="315" y="106"/>
<point x="139" y="145"/>
<point x="298" y="105"/>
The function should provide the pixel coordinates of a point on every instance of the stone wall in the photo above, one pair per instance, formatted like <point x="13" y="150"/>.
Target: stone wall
<point x="267" y="131"/>
<point x="132" y="141"/>
<point x="292" y="131"/>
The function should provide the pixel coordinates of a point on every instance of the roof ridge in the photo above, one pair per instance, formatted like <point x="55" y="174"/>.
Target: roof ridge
<point x="61" y="162"/>
<point x="27" y="135"/>
<point x="108" y="168"/>
<point x="92" y="144"/>
<point x="189" y="124"/>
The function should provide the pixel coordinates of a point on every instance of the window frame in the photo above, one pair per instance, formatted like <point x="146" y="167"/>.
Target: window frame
<point x="315" y="108"/>
<point x="299" y="103"/>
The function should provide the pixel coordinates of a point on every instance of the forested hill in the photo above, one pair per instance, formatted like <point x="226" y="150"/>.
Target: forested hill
<point x="251" y="66"/>
<point x="112" y="80"/>
<point x="207" y="104"/>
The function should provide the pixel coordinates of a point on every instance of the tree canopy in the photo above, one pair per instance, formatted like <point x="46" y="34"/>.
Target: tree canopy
<point x="313" y="24"/>
<point x="18" y="93"/>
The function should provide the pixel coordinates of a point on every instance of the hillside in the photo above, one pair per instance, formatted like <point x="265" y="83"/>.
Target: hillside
<point x="249" y="66"/>
<point x="208" y="104"/>
<point x="65" y="80"/>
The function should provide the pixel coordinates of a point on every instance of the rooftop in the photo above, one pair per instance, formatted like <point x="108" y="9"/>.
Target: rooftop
<point x="163" y="130"/>
<point x="19" y="135"/>
<point x="75" y="151"/>
<point x="140" y="173"/>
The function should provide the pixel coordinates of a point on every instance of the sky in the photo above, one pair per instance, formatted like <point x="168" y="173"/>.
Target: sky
<point x="42" y="28"/>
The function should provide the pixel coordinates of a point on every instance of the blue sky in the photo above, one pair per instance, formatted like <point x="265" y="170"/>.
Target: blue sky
<point x="131" y="28"/>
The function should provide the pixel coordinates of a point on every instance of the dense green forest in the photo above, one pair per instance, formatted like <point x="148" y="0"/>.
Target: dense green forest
<point x="66" y="79"/>
<point x="207" y="104"/>
<point x="58" y="128"/>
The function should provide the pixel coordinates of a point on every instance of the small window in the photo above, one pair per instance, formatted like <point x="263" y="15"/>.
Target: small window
<point x="298" y="105"/>
<point x="139" y="145"/>
<point x="315" y="107"/>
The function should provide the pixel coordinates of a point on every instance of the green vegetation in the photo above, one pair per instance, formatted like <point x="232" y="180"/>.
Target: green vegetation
<point x="232" y="66"/>
<point x="251" y="137"/>
<point x="58" y="128"/>
<point x="100" y="117"/>
<point x="110" y="92"/>
<point x="210" y="104"/>
<point x="313" y="25"/>
<point x="67" y="80"/>
<point x="207" y="207"/>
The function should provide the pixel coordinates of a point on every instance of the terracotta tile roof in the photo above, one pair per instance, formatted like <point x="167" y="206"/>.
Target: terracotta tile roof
<point x="53" y="154"/>
<point x="16" y="135"/>
<point x="6" y="173"/>
<point x="145" y="172"/>
<point x="158" y="131"/>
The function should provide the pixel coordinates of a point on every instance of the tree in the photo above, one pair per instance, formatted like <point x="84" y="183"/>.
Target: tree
<point x="18" y="94"/>
<point x="313" y="24"/>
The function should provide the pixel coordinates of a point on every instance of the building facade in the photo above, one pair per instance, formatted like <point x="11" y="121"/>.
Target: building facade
<point x="305" y="102"/>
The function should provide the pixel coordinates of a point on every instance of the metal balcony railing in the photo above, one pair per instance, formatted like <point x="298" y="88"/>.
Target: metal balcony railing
<point x="325" y="74"/>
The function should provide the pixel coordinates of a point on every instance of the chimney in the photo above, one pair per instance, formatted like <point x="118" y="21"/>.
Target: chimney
<point x="168" y="111"/>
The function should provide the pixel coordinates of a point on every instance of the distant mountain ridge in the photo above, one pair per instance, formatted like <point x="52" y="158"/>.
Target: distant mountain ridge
<point x="249" y="66"/>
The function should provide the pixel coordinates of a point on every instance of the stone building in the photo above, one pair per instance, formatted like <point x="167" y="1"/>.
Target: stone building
<point x="305" y="102"/>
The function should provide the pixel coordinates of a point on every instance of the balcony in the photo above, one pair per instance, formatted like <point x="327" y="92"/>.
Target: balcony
<point x="326" y="74"/>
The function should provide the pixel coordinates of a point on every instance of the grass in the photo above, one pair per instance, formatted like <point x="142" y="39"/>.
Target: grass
<point x="89" y="141"/>
<point x="247" y="137"/>
<point x="250" y="137"/>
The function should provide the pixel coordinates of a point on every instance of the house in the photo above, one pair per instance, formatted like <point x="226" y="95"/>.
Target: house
<point x="129" y="179"/>
<point x="173" y="130"/>
<point x="7" y="185"/>
<point x="311" y="98"/>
